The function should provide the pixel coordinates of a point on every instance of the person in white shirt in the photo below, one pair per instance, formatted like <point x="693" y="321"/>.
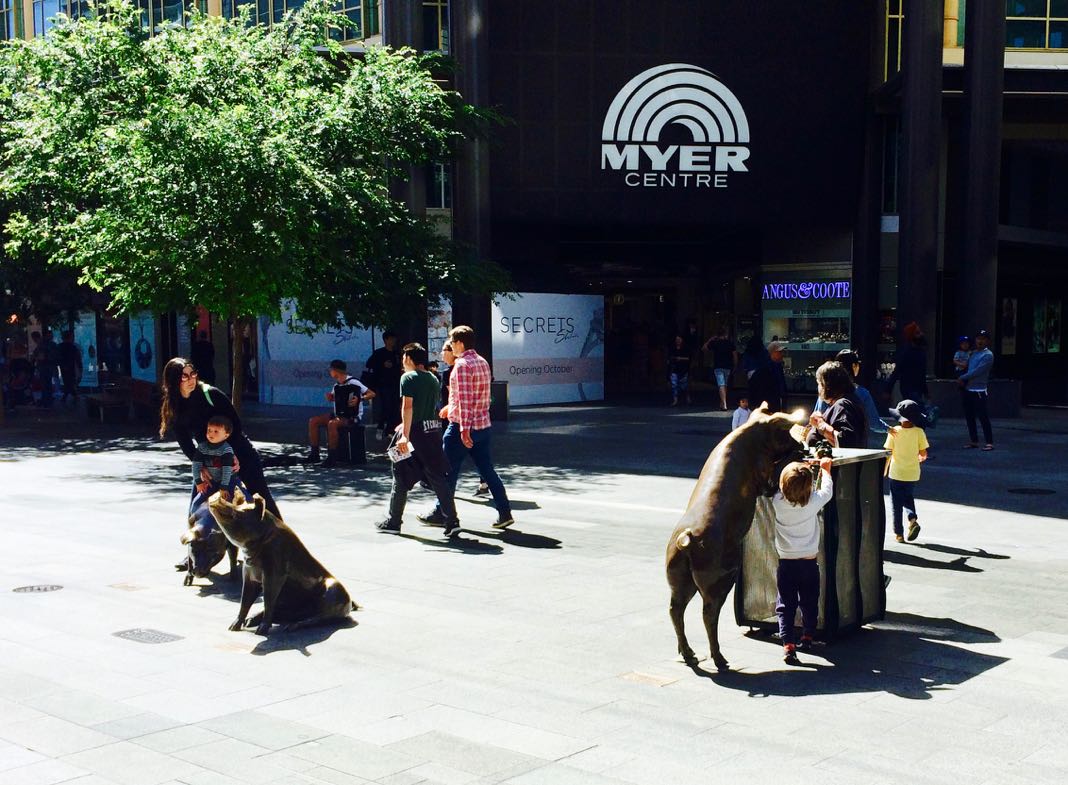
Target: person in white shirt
<point x="741" y="414"/>
<point x="797" y="540"/>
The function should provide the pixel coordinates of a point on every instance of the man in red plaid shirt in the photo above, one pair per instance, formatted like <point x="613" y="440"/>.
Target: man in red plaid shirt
<point x="469" y="428"/>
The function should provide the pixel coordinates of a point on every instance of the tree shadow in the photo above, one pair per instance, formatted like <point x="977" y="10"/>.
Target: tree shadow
<point x="905" y="655"/>
<point x="300" y="640"/>
<point x="458" y="543"/>
<point x="978" y="553"/>
<point x="959" y="564"/>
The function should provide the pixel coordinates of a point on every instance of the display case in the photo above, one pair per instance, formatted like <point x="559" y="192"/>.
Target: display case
<point x="812" y="334"/>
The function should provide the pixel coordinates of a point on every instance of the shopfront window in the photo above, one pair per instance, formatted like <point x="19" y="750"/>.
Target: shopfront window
<point x="353" y="11"/>
<point x="1036" y="24"/>
<point x="439" y="186"/>
<point x="436" y="25"/>
<point x="7" y="20"/>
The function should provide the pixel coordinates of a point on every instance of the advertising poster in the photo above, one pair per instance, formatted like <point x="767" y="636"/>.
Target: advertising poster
<point x="1008" y="325"/>
<point x="85" y="340"/>
<point x="1053" y="326"/>
<point x="143" y="346"/>
<point x="1038" y="327"/>
<point x="183" y="335"/>
<point x="293" y="366"/>
<point x="438" y="324"/>
<point x="549" y="347"/>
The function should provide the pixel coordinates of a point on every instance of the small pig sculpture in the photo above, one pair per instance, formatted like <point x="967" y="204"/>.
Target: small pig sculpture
<point x="205" y="545"/>
<point x="705" y="551"/>
<point x="297" y="590"/>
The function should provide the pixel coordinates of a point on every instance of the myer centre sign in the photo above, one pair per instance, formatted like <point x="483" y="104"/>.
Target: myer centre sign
<point x="683" y="95"/>
<point x="549" y="347"/>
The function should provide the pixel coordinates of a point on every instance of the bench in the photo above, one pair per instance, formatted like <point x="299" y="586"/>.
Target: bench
<point x="108" y="407"/>
<point x="351" y="444"/>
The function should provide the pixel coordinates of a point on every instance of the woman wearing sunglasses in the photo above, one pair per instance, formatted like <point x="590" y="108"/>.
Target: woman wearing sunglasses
<point x="188" y="404"/>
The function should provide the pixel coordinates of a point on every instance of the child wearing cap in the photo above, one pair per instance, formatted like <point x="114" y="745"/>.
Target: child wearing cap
<point x="960" y="357"/>
<point x="908" y="449"/>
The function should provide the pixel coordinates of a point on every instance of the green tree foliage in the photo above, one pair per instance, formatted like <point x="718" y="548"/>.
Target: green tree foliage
<point x="230" y="166"/>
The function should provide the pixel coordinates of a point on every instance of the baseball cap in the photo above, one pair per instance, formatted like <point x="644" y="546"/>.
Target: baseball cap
<point x="910" y="411"/>
<point x="982" y="333"/>
<point x="964" y="338"/>
<point x="777" y="346"/>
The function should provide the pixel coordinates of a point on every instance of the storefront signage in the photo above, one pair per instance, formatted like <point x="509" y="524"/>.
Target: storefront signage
<point x="683" y="95"/>
<point x="143" y="358"/>
<point x="807" y="290"/>
<point x="550" y="347"/>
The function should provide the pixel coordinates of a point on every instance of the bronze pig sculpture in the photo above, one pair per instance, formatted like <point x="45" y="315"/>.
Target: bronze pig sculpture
<point x="297" y="590"/>
<point x="205" y="545"/>
<point x="705" y="550"/>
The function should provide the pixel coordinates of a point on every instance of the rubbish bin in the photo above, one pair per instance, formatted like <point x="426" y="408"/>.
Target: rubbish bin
<point x="498" y="401"/>
<point x="852" y="591"/>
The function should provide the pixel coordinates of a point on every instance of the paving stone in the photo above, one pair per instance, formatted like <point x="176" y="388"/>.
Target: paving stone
<point x="460" y="754"/>
<point x="127" y="763"/>
<point x="180" y="738"/>
<point x="53" y="737"/>
<point x="356" y="757"/>
<point x="262" y="729"/>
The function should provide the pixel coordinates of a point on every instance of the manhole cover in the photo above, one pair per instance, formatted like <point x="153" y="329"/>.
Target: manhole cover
<point x="40" y="588"/>
<point x="1033" y="491"/>
<point x="147" y="636"/>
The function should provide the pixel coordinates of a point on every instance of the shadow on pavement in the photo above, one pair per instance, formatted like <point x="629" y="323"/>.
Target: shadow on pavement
<point x="959" y="564"/>
<point x="458" y="543"/>
<point x="300" y="640"/>
<point x="978" y="553"/>
<point x="220" y="586"/>
<point x="905" y="655"/>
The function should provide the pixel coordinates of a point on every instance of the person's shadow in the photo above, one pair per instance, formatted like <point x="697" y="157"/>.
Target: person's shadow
<point x="959" y="564"/>
<point x="905" y="655"/>
<point x="978" y="553"/>
<point x="458" y="543"/>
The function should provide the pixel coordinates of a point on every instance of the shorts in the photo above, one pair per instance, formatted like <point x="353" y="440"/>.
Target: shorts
<point x="723" y="376"/>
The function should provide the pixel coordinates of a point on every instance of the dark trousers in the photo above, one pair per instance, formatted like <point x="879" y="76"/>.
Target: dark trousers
<point x="798" y="583"/>
<point x="455" y="452"/>
<point x="901" y="498"/>
<point x="975" y="406"/>
<point x="70" y="381"/>
<point x="428" y="452"/>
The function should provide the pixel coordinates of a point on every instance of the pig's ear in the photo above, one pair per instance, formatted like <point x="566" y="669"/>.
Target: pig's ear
<point x="259" y="504"/>
<point x="796" y="417"/>
<point x="190" y="536"/>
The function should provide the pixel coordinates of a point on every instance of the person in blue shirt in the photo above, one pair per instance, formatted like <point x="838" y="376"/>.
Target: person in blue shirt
<point x="974" y="383"/>
<point x="851" y="360"/>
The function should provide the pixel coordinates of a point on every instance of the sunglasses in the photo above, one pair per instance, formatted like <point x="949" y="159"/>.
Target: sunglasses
<point x="189" y="374"/>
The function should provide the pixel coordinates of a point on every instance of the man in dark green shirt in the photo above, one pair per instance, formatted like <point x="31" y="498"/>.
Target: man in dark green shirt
<point x="419" y="434"/>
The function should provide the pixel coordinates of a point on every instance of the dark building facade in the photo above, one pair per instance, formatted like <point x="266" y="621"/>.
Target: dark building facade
<point x="821" y="173"/>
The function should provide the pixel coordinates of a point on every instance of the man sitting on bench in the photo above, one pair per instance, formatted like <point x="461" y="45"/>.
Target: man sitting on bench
<point x="347" y="395"/>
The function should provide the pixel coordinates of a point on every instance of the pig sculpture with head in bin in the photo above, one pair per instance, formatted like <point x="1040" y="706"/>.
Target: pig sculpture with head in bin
<point x="205" y="545"/>
<point x="705" y="551"/>
<point x="297" y="590"/>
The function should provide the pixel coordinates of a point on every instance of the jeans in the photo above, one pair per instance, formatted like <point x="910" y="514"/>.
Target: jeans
<point x="901" y="497"/>
<point x="679" y="383"/>
<point x="798" y="584"/>
<point x="975" y="404"/>
<point x="455" y="452"/>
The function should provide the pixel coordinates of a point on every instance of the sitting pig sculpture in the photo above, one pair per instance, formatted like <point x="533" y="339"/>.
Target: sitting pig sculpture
<point x="705" y="550"/>
<point x="205" y="545"/>
<point x="297" y="590"/>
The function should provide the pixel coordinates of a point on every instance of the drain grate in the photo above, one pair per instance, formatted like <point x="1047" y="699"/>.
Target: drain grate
<point x="43" y="587"/>
<point x="1033" y="491"/>
<point x="147" y="636"/>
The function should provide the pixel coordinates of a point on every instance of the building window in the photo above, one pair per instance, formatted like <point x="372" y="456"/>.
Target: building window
<point x="438" y="186"/>
<point x="436" y="25"/>
<point x="1036" y="24"/>
<point x="353" y="11"/>
<point x="372" y="24"/>
<point x="7" y="19"/>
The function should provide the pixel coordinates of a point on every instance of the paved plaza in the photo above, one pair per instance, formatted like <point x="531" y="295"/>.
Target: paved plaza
<point x="542" y="655"/>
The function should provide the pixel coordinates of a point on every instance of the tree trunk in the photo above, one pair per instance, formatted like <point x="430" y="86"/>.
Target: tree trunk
<point x="237" y="347"/>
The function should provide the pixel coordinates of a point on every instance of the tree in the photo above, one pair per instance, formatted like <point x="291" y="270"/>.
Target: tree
<point x="230" y="166"/>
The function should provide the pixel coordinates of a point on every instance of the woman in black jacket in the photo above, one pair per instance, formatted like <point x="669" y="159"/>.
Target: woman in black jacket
<point x="187" y="406"/>
<point x="843" y="423"/>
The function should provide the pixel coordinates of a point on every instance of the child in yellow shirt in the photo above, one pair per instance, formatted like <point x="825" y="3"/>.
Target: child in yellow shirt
<point x="908" y="445"/>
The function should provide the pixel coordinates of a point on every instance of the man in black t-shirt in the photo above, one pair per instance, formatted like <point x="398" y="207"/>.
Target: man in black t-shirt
<point x="70" y="365"/>
<point x="724" y="360"/>
<point x="382" y="375"/>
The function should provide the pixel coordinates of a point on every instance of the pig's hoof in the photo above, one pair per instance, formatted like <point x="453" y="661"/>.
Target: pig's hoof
<point x="188" y="580"/>
<point x="689" y="657"/>
<point x="236" y="626"/>
<point x="263" y="629"/>
<point x="721" y="663"/>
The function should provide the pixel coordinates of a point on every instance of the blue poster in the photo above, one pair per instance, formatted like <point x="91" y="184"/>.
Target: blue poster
<point x="85" y="340"/>
<point x="143" y="346"/>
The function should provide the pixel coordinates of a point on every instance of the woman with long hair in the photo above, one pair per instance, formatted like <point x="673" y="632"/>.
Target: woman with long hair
<point x="188" y="404"/>
<point x="844" y="423"/>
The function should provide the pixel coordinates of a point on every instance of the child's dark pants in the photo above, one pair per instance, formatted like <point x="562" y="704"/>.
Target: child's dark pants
<point x="798" y="582"/>
<point x="902" y="498"/>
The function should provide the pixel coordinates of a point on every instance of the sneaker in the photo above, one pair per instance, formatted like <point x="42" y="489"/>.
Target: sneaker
<point x="433" y="518"/>
<point x="313" y="455"/>
<point x="914" y="529"/>
<point x="806" y="643"/>
<point x="388" y="526"/>
<point x="452" y="528"/>
<point x="504" y="522"/>
<point x="483" y="489"/>
<point x="899" y="537"/>
<point x="790" y="655"/>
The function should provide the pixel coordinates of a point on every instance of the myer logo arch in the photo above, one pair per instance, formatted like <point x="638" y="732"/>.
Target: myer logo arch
<point x="683" y="95"/>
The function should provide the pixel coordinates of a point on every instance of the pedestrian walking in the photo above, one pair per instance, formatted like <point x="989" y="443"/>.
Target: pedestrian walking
<point x="419" y="436"/>
<point x="908" y="449"/>
<point x="70" y="365"/>
<point x="768" y="382"/>
<point x="974" y="382"/>
<point x="470" y="430"/>
<point x="448" y="358"/>
<point x="724" y="361"/>
<point x="910" y="365"/>
<point x="679" y="370"/>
